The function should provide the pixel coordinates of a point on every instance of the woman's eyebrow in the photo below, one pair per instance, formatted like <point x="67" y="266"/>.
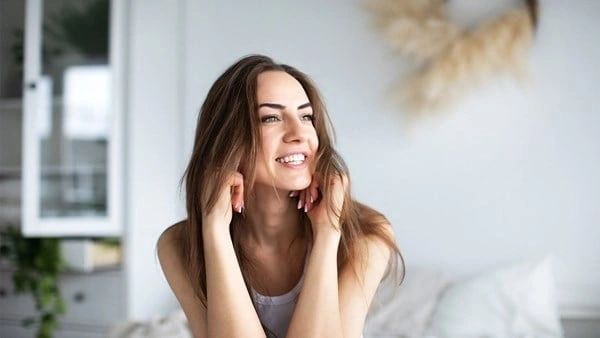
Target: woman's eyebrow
<point x="280" y="106"/>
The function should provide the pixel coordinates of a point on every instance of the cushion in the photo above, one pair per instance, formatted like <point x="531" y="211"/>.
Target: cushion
<point x="404" y="311"/>
<point x="512" y="301"/>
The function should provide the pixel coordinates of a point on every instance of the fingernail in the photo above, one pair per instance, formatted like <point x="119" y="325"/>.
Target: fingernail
<point x="291" y="194"/>
<point x="299" y="204"/>
<point x="305" y="207"/>
<point x="311" y="199"/>
<point x="240" y="209"/>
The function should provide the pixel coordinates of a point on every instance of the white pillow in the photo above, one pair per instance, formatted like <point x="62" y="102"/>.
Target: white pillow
<point x="515" y="301"/>
<point x="404" y="311"/>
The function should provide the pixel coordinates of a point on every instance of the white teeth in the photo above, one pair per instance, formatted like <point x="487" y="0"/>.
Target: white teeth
<point x="294" y="159"/>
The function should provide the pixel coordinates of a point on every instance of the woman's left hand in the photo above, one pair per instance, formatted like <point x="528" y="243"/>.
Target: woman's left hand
<point x="310" y="200"/>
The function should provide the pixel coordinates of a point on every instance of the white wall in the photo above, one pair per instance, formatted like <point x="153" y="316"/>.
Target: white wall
<point x="153" y="147"/>
<point x="510" y="173"/>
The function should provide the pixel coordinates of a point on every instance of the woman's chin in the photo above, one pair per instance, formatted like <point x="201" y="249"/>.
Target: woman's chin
<point x="293" y="183"/>
<point x="299" y="184"/>
<point x="297" y="188"/>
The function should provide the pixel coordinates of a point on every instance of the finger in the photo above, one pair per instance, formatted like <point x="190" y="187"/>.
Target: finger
<point x="300" y="199"/>
<point x="306" y="199"/>
<point x="314" y="193"/>
<point x="237" y="187"/>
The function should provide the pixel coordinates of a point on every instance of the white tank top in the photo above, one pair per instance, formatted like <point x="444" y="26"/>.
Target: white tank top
<point x="276" y="312"/>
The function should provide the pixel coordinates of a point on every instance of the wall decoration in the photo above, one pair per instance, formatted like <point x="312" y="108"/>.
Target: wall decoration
<point x="451" y="59"/>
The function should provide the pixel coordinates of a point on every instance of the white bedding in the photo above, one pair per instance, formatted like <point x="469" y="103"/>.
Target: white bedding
<point x="517" y="301"/>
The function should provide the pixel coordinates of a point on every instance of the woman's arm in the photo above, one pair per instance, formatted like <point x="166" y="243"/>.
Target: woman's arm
<point x="174" y="271"/>
<point x="323" y="308"/>
<point x="331" y="308"/>
<point x="317" y="312"/>
<point x="230" y="311"/>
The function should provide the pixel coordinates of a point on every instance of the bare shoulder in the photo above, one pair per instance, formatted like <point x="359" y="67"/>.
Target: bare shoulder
<point x="167" y="250"/>
<point x="357" y="288"/>
<point x="389" y="230"/>
<point x="170" y="233"/>
<point x="375" y="251"/>
<point x="169" y="254"/>
<point x="176" y="275"/>
<point x="380" y="230"/>
<point x="377" y="243"/>
<point x="167" y="241"/>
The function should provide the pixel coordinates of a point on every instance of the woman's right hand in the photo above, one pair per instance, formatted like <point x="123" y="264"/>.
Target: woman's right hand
<point x="231" y="197"/>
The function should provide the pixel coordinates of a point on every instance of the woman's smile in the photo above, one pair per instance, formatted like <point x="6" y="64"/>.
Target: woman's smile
<point x="294" y="164"/>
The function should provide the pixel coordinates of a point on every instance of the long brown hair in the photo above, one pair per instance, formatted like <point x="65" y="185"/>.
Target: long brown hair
<point x="227" y="134"/>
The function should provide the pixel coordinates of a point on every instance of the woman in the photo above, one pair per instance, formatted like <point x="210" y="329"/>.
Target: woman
<point x="274" y="244"/>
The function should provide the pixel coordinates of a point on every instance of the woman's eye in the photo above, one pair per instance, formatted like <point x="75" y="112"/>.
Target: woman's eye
<point x="271" y="118"/>
<point x="274" y="118"/>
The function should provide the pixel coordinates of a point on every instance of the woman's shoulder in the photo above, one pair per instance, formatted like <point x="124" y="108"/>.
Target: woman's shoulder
<point x="374" y="222"/>
<point x="378" y="235"/>
<point x="173" y="230"/>
<point x="169" y="238"/>
<point x="382" y="238"/>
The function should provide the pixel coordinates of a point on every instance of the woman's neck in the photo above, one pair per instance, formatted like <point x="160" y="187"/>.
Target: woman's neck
<point x="271" y="222"/>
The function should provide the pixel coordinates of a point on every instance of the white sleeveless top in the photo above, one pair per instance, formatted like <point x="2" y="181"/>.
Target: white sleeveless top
<point x="276" y="312"/>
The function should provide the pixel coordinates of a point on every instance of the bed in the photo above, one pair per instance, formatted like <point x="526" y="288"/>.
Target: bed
<point x="516" y="300"/>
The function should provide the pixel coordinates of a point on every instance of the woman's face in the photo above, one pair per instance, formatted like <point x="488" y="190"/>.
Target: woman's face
<point x="289" y="139"/>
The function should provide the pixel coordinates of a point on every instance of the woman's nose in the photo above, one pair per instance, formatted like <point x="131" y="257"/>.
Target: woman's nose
<point x="294" y="131"/>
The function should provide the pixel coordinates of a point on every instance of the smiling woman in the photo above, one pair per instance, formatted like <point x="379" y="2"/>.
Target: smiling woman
<point x="274" y="244"/>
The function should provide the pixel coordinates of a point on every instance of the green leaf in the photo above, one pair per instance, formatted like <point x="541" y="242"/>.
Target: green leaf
<point x="61" y="306"/>
<point x="38" y="263"/>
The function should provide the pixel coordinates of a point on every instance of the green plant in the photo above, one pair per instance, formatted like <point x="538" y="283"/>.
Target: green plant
<point x="38" y="263"/>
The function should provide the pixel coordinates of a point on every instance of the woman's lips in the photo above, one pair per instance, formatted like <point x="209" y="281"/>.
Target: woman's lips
<point x="290" y="165"/>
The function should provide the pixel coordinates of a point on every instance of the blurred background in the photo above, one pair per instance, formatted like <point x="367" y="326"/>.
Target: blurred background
<point x="98" y="105"/>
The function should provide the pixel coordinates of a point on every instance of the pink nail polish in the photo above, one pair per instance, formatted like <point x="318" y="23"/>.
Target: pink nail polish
<point x="305" y="207"/>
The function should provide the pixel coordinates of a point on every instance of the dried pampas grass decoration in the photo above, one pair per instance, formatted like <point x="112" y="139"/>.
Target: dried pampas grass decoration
<point x="452" y="59"/>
